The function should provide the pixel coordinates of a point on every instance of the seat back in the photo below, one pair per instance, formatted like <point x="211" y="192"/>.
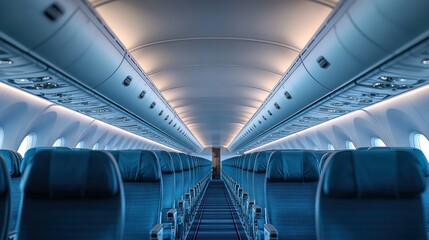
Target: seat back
<point x="13" y="161"/>
<point x="178" y="174"/>
<point x="5" y="198"/>
<point x="28" y="156"/>
<point x="371" y="195"/>
<point x="186" y="168"/>
<point x="168" y="179"/>
<point x="141" y="174"/>
<point x="425" y="169"/>
<point x="290" y="188"/>
<point x="71" y="195"/>
<point x="259" y="171"/>
<point x="249" y="178"/>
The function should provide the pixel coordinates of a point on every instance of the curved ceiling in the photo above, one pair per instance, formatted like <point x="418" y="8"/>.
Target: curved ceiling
<point x="215" y="62"/>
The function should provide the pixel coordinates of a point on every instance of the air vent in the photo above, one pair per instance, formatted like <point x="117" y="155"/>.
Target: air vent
<point x="127" y="81"/>
<point x="276" y="105"/>
<point x="323" y="63"/>
<point x="53" y="12"/>
<point x="160" y="113"/>
<point x="287" y="95"/>
<point x="152" y="105"/>
<point x="142" y="94"/>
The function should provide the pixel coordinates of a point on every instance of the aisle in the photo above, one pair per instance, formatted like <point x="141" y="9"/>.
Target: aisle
<point x="216" y="217"/>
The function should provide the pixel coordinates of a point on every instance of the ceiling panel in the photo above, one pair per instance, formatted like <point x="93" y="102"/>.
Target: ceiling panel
<point x="215" y="62"/>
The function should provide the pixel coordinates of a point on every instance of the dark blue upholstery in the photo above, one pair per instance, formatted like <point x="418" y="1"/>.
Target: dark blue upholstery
<point x="28" y="156"/>
<point x="291" y="186"/>
<point x="250" y="167"/>
<point x="5" y="199"/>
<point x="371" y="195"/>
<point x="168" y="180"/>
<point x="186" y="166"/>
<point x="178" y="174"/>
<point x="259" y="177"/>
<point x="71" y="195"/>
<point x="141" y="173"/>
<point x="425" y="168"/>
<point x="13" y="162"/>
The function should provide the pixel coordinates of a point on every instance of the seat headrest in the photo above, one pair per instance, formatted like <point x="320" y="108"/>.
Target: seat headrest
<point x="177" y="163"/>
<point x="60" y="173"/>
<point x="185" y="162"/>
<point x="373" y="174"/>
<point x="261" y="162"/>
<point x="28" y="156"/>
<point x="324" y="158"/>
<point x="251" y="163"/>
<point x="165" y="162"/>
<point x="139" y="166"/>
<point x="417" y="153"/>
<point x="293" y="166"/>
<point x="4" y="184"/>
<point x="12" y="161"/>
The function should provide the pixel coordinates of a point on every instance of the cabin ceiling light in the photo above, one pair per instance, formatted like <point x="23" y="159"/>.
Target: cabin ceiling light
<point x="425" y="61"/>
<point x="5" y="62"/>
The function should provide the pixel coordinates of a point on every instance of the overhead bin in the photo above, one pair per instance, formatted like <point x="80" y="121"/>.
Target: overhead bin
<point x="393" y="25"/>
<point x="76" y="50"/>
<point x="80" y="50"/>
<point x="298" y="91"/>
<point x="351" y="53"/>
<point x="33" y="21"/>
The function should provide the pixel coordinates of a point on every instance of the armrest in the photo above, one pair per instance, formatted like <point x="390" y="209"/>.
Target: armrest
<point x="156" y="232"/>
<point x="172" y="215"/>
<point x="256" y="211"/>
<point x="270" y="232"/>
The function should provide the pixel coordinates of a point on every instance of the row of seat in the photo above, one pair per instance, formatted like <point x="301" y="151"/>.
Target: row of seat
<point x="63" y="193"/>
<point x="372" y="193"/>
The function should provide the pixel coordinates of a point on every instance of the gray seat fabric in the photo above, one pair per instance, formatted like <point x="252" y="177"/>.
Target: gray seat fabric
<point x="71" y="195"/>
<point x="141" y="174"/>
<point x="290" y="188"/>
<point x="5" y="198"/>
<point x="371" y="195"/>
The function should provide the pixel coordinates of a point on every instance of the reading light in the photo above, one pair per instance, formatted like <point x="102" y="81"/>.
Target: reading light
<point x="425" y="61"/>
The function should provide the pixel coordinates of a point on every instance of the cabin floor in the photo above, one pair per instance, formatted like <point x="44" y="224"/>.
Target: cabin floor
<point x="216" y="217"/>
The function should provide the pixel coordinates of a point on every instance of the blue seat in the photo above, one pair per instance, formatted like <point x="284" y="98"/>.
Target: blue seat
<point x="71" y="195"/>
<point x="290" y="188"/>
<point x="179" y="194"/>
<point x="371" y="195"/>
<point x="141" y="174"/>
<point x="258" y="209"/>
<point x="13" y="161"/>
<point x="425" y="169"/>
<point x="5" y="198"/>
<point x="168" y="217"/>
<point x="29" y="154"/>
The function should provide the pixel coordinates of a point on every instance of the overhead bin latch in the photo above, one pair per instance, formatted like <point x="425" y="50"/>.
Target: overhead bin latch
<point x="323" y="63"/>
